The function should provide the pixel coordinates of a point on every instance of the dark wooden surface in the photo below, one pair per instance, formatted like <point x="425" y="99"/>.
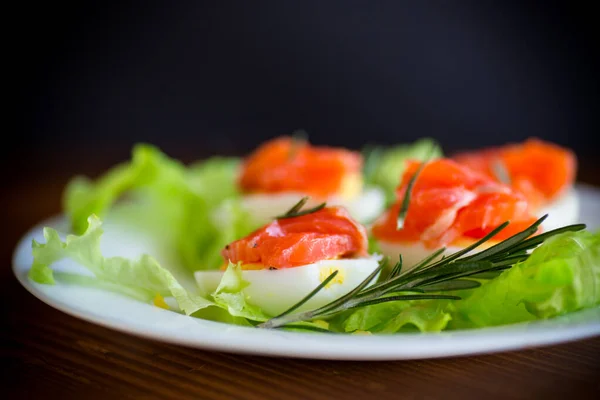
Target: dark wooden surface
<point x="47" y="354"/>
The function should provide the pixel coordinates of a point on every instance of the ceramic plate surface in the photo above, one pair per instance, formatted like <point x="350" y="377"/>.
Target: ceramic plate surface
<point x="136" y="318"/>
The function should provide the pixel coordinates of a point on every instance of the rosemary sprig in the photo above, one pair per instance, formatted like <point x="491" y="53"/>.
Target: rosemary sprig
<point x="428" y="277"/>
<point x="311" y="294"/>
<point x="297" y="211"/>
<point x="397" y="269"/>
<point x="408" y="193"/>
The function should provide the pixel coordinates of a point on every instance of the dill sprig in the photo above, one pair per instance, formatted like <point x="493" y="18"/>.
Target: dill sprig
<point x="434" y="274"/>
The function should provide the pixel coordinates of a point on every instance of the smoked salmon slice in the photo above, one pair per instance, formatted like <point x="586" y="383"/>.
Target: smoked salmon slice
<point x="541" y="170"/>
<point x="450" y="202"/>
<point x="325" y="234"/>
<point x="286" y="164"/>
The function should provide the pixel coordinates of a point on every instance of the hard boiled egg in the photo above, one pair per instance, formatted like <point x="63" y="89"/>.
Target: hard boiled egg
<point x="562" y="211"/>
<point x="364" y="207"/>
<point x="414" y="252"/>
<point x="275" y="291"/>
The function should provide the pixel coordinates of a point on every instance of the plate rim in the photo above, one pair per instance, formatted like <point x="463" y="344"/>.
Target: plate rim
<point x="521" y="335"/>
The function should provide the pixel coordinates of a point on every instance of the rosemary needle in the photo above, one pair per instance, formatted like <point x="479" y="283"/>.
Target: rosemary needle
<point x="428" y="277"/>
<point x="408" y="193"/>
<point x="296" y="210"/>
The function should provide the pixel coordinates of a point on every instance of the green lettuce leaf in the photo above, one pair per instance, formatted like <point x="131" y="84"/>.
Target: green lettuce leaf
<point x="214" y="179"/>
<point x="148" y="168"/>
<point x="195" y="210"/>
<point x="142" y="278"/>
<point x="230" y="296"/>
<point x="205" y="231"/>
<point x="384" y="166"/>
<point x="424" y="315"/>
<point x="561" y="276"/>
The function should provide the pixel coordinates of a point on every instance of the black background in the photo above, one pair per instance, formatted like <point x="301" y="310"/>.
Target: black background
<point x="197" y="78"/>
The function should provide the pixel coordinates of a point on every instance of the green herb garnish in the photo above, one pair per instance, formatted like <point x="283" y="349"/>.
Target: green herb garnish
<point x="406" y="199"/>
<point x="430" y="275"/>
<point x="296" y="210"/>
<point x="407" y="195"/>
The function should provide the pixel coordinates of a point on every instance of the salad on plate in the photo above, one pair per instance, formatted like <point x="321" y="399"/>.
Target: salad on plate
<point x="301" y="237"/>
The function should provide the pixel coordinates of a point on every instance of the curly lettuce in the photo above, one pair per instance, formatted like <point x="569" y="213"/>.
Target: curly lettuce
<point x="384" y="166"/>
<point x="230" y="296"/>
<point x="195" y="209"/>
<point x="393" y="317"/>
<point x="142" y="278"/>
<point x="561" y="276"/>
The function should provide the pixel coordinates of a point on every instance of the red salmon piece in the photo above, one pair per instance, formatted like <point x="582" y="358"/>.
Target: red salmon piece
<point x="538" y="169"/>
<point x="287" y="165"/>
<point x="326" y="234"/>
<point x="450" y="202"/>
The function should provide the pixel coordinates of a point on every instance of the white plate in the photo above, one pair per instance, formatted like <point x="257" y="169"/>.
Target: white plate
<point x="126" y="315"/>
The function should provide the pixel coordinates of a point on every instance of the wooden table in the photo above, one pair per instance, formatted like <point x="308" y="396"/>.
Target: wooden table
<point x="47" y="354"/>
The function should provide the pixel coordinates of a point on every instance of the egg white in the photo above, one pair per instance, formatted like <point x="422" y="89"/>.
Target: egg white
<point x="275" y="291"/>
<point x="415" y="252"/>
<point x="412" y="252"/>
<point x="562" y="211"/>
<point x="364" y="207"/>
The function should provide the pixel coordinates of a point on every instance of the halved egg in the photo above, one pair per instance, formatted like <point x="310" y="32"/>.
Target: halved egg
<point x="365" y="206"/>
<point x="451" y="206"/>
<point x="283" y="170"/>
<point x="284" y="260"/>
<point x="562" y="210"/>
<point x="414" y="252"/>
<point x="275" y="291"/>
<point x="542" y="171"/>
